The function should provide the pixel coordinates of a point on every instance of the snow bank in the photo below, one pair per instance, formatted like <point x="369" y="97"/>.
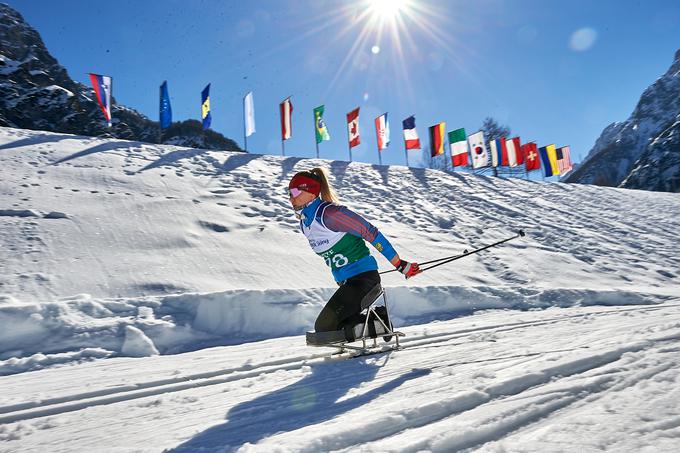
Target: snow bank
<point x="81" y="328"/>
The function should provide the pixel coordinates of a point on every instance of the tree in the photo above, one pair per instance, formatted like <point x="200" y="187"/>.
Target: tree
<point x="492" y="131"/>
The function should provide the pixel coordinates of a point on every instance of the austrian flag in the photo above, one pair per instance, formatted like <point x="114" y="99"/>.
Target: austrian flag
<point x="353" y="128"/>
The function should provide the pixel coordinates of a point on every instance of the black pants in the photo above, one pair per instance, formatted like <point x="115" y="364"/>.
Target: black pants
<point x="345" y="304"/>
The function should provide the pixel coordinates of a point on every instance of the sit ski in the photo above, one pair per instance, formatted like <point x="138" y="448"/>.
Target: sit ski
<point x="373" y="322"/>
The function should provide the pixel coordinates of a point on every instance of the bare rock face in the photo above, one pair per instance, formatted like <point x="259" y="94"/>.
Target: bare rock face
<point x="37" y="93"/>
<point x="641" y="152"/>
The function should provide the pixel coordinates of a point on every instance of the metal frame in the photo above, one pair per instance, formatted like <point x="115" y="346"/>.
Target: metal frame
<point x="364" y="349"/>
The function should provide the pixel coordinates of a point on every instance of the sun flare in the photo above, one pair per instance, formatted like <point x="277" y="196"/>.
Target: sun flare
<point x="386" y="9"/>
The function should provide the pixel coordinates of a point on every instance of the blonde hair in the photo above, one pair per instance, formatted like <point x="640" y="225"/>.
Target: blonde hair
<point x="327" y="192"/>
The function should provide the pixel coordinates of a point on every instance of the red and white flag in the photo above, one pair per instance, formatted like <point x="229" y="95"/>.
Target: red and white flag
<point x="286" y="109"/>
<point x="411" y="140"/>
<point x="513" y="151"/>
<point x="353" y="128"/>
<point x="382" y="131"/>
<point x="518" y="151"/>
<point x="531" y="159"/>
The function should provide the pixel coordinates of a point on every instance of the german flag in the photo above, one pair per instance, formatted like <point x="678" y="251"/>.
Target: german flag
<point x="437" y="139"/>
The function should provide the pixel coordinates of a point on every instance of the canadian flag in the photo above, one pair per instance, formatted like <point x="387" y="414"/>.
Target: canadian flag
<point x="353" y="127"/>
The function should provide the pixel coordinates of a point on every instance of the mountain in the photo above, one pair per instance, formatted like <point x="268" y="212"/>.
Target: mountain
<point x="155" y="298"/>
<point x="641" y="152"/>
<point x="37" y="93"/>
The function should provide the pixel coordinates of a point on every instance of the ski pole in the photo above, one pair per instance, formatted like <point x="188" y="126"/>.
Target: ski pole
<point x="466" y="253"/>
<point x="448" y="259"/>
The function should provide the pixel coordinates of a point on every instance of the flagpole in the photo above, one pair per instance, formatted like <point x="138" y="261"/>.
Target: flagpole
<point x="406" y="153"/>
<point x="349" y="144"/>
<point x="283" y="148"/>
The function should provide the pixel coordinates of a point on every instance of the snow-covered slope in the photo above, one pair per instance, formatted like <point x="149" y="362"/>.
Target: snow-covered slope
<point x="640" y="153"/>
<point x="153" y="297"/>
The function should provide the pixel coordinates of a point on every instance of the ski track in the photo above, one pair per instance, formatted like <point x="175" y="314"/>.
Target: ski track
<point x="52" y="406"/>
<point x="531" y="385"/>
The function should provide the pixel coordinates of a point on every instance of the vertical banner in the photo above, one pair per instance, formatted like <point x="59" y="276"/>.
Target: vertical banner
<point x="286" y="110"/>
<point x="480" y="157"/>
<point x="564" y="160"/>
<point x="519" y="155"/>
<point x="320" y="129"/>
<point x="531" y="160"/>
<point x="249" y="114"/>
<point x="499" y="152"/>
<point x="382" y="131"/>
<point x="206" y="117"/>
<point x="549" y="157"/>
<point x="459" y="148"/>
<point x="353" y="128"/>
<point x="411" y="140"/>
<point x="437" y="139"/>
<point x="102" y="90"/>
<point x="164" y="108"/>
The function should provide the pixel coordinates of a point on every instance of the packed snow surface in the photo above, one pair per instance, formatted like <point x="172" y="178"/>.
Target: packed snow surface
<point x="154" y="298"/>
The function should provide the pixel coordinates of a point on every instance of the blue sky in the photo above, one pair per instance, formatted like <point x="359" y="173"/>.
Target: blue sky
<point x="554" y="71"/>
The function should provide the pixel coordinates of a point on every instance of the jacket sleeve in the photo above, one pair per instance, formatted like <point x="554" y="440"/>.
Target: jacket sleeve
<point x="341" y="219"/>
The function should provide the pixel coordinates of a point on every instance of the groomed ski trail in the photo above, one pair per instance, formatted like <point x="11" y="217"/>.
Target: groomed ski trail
<point x="458" y="384"/>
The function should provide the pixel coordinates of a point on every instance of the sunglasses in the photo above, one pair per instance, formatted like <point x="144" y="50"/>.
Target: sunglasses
<point x="294" y="192"/>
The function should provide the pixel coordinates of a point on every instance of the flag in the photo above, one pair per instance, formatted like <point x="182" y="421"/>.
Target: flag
<point x="519" y="156"/>
<point x="320" y="125"/>
<point x="102" y="91"/>
<point x="286" y="109"/>
<point x="249" y="114"/>
<point x="513" y="150"/>
<point x="564" y="160"/>
<point x="437" y="139"/>
<point x="353" y="128"/>
<point x="549" y="158"/>
<point x="205" y="107"/>
<point x="531" y="160"/>
<point x="499" y="152"/>
<point x="164" y="109"/>
<point x="459" y="149"/>
<point x="382" y="131"/>
<point x="480" y="158"/>
<point x="411" y="139"/>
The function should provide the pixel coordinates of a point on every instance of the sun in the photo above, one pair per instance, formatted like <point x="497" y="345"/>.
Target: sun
<point x="386" y="9"/>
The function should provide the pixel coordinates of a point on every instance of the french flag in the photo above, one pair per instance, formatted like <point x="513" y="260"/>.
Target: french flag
<point x="102" y="90"/>
<point x="411" y="139"/>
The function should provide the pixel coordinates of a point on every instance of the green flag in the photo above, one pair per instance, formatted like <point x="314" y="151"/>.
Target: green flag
<point x="320" y="125"/>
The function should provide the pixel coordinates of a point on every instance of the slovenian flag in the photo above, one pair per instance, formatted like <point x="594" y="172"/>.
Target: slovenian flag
<point x="102" y="90"/>
<point x="459" y="149"/>
<point x="286" y="109"/>
<point x="411" y="139"/>
<point x="480" y="157"/>
<point x="205" y="107"/>
<point x="382" y="131"/>
<point x="353" y="128"/>
<point x="437" y="139"/>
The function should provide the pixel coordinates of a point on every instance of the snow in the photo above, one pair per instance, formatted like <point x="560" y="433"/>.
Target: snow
<point x="154" y="298"/>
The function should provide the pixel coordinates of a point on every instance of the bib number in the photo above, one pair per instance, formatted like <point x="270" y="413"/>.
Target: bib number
<point x="337" y="261"/>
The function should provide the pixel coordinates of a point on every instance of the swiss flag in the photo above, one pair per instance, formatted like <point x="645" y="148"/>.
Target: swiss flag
<point x="353" y="127"/>
<point x="531" y="159"/>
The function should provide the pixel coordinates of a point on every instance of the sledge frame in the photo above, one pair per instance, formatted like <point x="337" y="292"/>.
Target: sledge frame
<point x="371" y="315"/>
